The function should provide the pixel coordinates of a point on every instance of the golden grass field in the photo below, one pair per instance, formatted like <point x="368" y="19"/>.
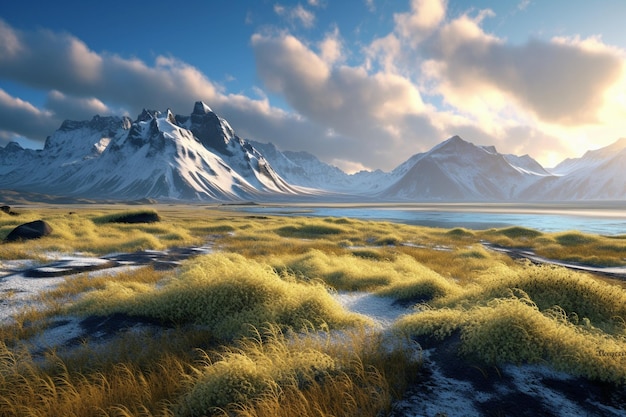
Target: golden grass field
<point x="250" y="329"/>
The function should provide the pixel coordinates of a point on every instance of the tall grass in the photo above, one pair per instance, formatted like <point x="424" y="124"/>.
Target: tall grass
<point x="225" y="292"/>
<point x="246" y="331"/>
<point x="304" y="375"/>
<point x="533" y="314"/>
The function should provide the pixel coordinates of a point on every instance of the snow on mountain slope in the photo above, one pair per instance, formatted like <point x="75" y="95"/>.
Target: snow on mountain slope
<point x="199" y="157"/>
<point x="305" y="169"/>
<point x="159" y="155"/>
<point x="458" y="170"/>
<point x="597" y="175"/>
<point x="590" y="159"/>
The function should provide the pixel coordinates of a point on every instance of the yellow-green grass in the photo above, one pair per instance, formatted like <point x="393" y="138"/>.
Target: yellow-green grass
<point x="279" y="273"/>
<point x="225" y="292"/>
<point x="305" y="375"/>
<point x="514" y="330"/>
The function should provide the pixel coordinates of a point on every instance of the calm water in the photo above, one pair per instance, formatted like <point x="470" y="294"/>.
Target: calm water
<point x="598" y="218"/>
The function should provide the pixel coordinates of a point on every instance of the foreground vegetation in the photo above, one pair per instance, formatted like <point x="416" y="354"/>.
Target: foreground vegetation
<point x="255" y="330"/>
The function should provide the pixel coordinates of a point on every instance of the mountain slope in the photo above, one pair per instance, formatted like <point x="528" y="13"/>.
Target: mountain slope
<point x="306" y="170"/>
<point x="597" y="175"/>
<point x="457" y="170"/>
<point x="199" y="157"/>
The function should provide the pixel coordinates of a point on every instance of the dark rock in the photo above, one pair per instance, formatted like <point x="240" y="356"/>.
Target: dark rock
<point x="32" y="230"/>
<point x="6" y="209"/>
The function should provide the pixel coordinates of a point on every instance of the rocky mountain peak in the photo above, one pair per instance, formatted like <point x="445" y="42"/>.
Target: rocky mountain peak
<point x="201" y="108"/>
<point x="210" y="130"/>
<point x="147" y="115"/>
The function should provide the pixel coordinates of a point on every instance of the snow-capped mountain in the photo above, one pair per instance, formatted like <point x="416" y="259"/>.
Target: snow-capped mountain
<point x="597" y="175"/>
<point x="457" y="170"/>
<point x="306" y="170"/>
<point x="159" y="155"/>
<point x="199" y="157"/>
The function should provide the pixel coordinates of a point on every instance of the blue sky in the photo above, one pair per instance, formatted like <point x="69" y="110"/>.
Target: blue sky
<point x="362" y="84"/>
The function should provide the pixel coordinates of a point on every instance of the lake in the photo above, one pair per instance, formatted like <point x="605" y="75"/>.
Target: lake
<point x="604" y="218"/>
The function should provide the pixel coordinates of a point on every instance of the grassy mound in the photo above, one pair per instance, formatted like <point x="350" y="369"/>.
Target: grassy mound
<point x="133" y="216"/>
<point x="227" y="293"/>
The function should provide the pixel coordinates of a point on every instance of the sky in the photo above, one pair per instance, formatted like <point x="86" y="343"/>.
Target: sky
<point x="361" y="84"/>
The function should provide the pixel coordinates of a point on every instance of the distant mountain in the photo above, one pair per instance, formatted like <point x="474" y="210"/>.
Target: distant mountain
<point x="305" y="169"/>
<point x="456" y="170"/>
<point x="597" y="175"/>
<point x="159" y="155"/>
<point x="199" y="157"/>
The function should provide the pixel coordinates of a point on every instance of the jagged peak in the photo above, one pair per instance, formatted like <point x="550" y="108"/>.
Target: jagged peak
<point x="97" y="122"/>
<point x="170" y="117"/>
<point x="201" y="108"/>
<point x="147" y="115"/>
<point x="13" y="146"/>
<point x="450" y="143"/>
<point x="490" y="149"/>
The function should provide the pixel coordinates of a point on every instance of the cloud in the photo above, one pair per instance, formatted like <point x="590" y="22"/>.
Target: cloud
<point x="558" y="81"/>
<point x="9" y="42"/>
<point x="421" y="21"/>
<point x="19" y="118"/>
<point x="297" y="14"/>
<point x="431" y="77"/>
<point x="80" y="108"/>
<point x="331" y="48"/>
<point x="374" y="114"/>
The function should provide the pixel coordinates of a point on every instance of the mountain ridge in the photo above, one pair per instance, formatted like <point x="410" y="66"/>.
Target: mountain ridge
<point x="199" y="157"/>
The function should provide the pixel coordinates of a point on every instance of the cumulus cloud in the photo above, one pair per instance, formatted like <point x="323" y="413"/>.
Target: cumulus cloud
<point x="431" y="77"/>
<point x="331" y="48"/>
<point x="80" y="108"/>
<point x="18" y="117"/>
<point x="559" y="82"/>
<point x="373" y="112"/>
<point x="422" y="20"/>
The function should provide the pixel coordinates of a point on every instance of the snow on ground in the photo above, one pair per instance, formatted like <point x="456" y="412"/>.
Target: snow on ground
<point x="381" y="310"/>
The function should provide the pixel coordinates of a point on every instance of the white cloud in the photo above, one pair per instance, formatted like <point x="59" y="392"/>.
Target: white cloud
<point x="546" y="98"/>
<point x="376" y="115"/>
<point x="81" y="108"/>
<point x="331" y="48"/>
<point x="9" y="42"/>
<point x="296" y="14"/>
<point x="557" y="82"/>
<point x="20" y="118"/>
<point x="424" y="17"/>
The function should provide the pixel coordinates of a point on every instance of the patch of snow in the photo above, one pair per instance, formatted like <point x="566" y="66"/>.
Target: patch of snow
<point x="440" y="396"/>
<point x="381" y="310"/>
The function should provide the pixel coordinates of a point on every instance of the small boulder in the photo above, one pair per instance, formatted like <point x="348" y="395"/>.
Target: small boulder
<point x="7" y="210"/>
<point x="31" y="230"/>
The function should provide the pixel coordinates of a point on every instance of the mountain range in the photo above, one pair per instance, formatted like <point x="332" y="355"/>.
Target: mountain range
<point x="199" y="157"/>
